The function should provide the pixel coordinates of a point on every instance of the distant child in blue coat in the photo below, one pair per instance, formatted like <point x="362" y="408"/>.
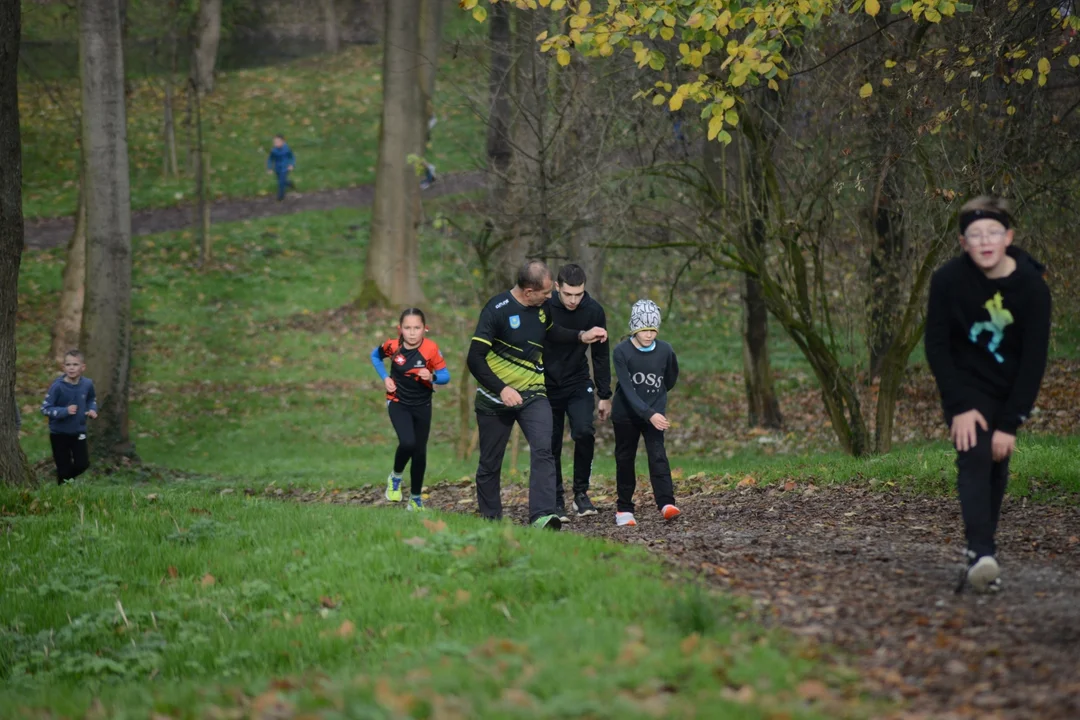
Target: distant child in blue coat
<point x="280" y="161"/>
<point x="70" y="400"/>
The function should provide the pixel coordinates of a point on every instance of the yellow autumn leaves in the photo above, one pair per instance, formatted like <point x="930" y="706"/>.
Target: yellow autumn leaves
<point x="750" y="38"/>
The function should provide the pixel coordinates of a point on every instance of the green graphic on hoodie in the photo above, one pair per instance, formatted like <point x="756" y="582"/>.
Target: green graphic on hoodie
<point x="1000" y="318"/>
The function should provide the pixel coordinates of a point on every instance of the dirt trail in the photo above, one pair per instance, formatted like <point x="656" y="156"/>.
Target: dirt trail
<point x="873" y="573"/>
<point x="55" y="232"/>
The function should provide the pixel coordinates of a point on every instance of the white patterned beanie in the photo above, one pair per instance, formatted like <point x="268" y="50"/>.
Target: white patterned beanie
<point x="644" y="315"/>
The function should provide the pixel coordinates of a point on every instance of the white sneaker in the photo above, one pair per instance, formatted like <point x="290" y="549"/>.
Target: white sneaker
<point x="623" y="519"/>
<point x="985" y="575"/>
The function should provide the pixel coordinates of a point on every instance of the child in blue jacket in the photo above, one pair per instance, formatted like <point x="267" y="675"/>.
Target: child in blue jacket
<point x="70" y="400"/>
<point x="280" y="161"/>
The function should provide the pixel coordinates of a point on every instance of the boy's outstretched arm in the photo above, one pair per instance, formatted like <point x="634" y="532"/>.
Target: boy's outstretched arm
<point x="91" y="403"/>
<point x="49" y="408"/>
<point x="1032" y="364"/>
<point x="601" y="363"/>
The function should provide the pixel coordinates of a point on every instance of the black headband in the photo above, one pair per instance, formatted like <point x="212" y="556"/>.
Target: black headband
<point x="970" y="216"/>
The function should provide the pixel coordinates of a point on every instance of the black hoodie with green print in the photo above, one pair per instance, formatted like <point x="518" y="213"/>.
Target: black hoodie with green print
<point x="986" y="339"/>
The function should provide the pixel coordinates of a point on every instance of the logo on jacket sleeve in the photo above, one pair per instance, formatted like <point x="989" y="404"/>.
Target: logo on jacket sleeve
<point x="515" y="321"/>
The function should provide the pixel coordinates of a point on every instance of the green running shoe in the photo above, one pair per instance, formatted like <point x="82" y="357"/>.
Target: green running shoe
<point x="393" y="488"/>
<point x="416" y="505"/>
<point x="548" y="522"/>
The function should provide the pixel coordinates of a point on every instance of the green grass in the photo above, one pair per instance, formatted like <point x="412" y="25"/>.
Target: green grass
<point x="328" y="108"/>
<point x="225" y="382"/>
<point x="181" y="601"/>
<point x="242" y="378"/>
<point x="238" y="373"/>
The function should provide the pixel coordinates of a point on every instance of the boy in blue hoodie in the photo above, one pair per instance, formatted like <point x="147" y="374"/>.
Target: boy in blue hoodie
<point x="280" y="162"/>
<point x="70" y="400"/>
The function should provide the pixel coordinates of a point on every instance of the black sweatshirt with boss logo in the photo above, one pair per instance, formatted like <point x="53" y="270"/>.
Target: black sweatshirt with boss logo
<point x="645" y="377"/>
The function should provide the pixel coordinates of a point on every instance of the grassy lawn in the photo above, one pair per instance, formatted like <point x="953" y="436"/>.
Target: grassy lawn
<point x="181" y="602"/>
<point x="153" y="594"/>
<point x="240" y="373"/>
<point x="328" y="108"/>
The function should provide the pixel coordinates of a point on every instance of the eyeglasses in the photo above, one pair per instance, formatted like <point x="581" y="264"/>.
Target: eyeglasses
<point x="990" y="237"/>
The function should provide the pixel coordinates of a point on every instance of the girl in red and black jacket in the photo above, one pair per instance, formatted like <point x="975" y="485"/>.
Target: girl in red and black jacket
<point x="416" y="367"/>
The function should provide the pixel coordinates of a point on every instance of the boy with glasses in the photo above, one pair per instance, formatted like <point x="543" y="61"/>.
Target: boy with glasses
<point x="987" y="332"/>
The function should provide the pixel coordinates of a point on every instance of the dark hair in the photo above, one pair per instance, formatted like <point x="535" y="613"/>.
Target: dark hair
<point x="412" y="311"/>
<point x="75" y="352"/>
<point x="571" y="274"/>
<point x="532" y="274"/>
<point x="985" y="207"/>
<point x="279" y="135"/>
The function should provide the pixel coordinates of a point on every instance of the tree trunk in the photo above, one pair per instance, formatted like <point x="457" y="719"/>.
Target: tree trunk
<point x="584" y="251"/>
<point x="206" y="249"/>
<point x="885" y="412"/>
<point x="499" y="86"/>
<point x="762" y="405"/>
<point x="908" y="331"/>
<point x="578" y="157"/>
<point x="392" y="272"/>
<point x="169" y="165"/>
<point x="68" y="324"/>
<point x="202" y="189"/>
<point x="13" y="467"/>
<point x="431" y="15"/>
<point x="523" y="212"/>
<point x="763" y="408"/>
<point x="204" y="54"/>
<point x="331" y="36"/>
<point x="169" y="161"/>
<point x="106" y="331"/>
<point x="499" y="149"/>
<point x="886" y="255"/>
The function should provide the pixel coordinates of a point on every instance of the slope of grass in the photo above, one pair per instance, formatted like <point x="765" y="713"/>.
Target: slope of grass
<point x="176" y="602"/>
<point x="328" y="108"/>
<point x="243" y="372"/>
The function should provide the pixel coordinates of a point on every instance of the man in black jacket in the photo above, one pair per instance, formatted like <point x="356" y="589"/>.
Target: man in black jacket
<point x="507" y="359"/>
<point x="571" y="390"/>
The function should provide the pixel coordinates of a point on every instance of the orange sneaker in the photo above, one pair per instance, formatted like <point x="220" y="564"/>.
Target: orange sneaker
<point x="670" y="512"/>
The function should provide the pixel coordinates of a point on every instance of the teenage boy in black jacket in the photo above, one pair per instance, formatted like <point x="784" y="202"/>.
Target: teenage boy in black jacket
<point x="987" y="332"/>
<point x="570" y="388"/>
